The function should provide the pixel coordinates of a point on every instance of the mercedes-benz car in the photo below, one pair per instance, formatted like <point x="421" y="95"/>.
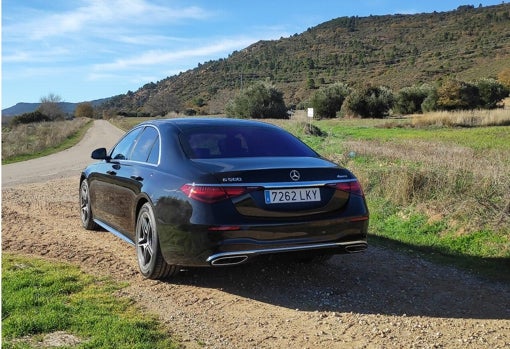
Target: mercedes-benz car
<point x="195" y="192"/>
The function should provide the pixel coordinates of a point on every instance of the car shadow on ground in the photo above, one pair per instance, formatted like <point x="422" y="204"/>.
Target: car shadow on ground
<point x="379" y="281"/>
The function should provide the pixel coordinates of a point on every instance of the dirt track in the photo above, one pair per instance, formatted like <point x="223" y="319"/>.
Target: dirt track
<point x="378" y="299"/>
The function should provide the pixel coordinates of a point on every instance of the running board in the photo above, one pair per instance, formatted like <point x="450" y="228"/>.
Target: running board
<point x="114" y="231"/>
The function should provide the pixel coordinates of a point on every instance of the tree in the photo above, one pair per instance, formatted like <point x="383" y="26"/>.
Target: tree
<point x="409" y="100"/>
<point x="162" y="103"/>
<point x="430" y="102"/>
<point x="327" y="101"/>
<point x="455" y="95"/>
<point x="84" y="110"/>
<point x="491" y="92"/>
<point x="369" y="102"/>
<point x="50" y="106"/>
<point x="259" y="101"/>
<point x="504" y="77"/>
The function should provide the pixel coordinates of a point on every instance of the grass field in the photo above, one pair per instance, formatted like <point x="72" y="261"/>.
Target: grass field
<point x="56" y="305"/>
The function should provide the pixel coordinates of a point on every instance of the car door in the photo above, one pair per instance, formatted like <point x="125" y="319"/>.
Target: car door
<point x="128" y="178"/>
<point x="109" y="204"/>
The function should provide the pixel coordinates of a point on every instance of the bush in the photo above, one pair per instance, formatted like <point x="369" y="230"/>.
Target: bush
<point x="369" y="102"/>
<point x="327" y="101"/>
<point x="84" y="110"/>
<point x="258" y="101"/>
<point x="454" y="95"/>
<point x="491" y="92"/>
<point x="28" y="118"/>
<point x="430" y="102"/>
<point x="409" y="100"/>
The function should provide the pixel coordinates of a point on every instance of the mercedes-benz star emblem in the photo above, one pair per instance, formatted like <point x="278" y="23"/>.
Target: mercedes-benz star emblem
<point x="294" y="175"/>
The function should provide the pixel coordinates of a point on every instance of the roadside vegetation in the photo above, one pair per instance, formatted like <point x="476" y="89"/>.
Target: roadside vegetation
<point x="44" y="131"/>
<point x="442" y="191"/>
<point x="56" y="305"/>
<point x="31" y="140"/>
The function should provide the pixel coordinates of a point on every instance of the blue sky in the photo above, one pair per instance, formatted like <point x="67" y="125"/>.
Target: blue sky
<point x="83" y="50"/>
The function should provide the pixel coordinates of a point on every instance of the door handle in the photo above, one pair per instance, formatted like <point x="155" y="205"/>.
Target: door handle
<point x="113" y="173"/>
<point x="137" y="178"/>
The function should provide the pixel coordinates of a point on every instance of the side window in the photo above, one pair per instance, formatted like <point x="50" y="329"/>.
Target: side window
<point x="145" y="144"/>
<point x="154" y="155"/>
<point x="123" y="148"/>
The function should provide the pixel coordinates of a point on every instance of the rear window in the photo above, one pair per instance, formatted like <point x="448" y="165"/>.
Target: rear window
<point x="246" y="141"/>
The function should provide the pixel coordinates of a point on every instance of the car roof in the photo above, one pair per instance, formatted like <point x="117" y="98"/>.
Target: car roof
<point x="183" y="123"/>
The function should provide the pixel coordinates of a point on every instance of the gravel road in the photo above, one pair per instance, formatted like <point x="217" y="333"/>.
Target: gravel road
<point x="378" y="299"/>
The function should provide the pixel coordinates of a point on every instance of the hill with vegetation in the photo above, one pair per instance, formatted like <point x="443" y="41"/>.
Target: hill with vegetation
<point x="392" y="50"/>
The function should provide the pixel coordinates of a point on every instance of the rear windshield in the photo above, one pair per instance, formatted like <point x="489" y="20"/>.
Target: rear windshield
<point x="246" y="141"/>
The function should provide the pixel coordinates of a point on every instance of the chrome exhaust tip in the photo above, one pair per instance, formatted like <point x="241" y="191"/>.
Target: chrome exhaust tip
<point x="355" y="248"/>
<point x="229" y="260"/>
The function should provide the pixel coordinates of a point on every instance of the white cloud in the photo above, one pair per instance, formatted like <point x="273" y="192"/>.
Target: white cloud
<point x="46" y="55"/>
<point x="97" y="16"/>
<point x="156" y="57"/>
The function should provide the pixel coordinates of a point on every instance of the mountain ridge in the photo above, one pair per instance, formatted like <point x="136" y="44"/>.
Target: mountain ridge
<point x="396" y="51"/>
<point x="392" y="50"/>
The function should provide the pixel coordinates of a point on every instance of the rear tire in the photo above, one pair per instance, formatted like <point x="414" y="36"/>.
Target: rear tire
<point x="150" y="260"/>
<point x="87" y="218"/>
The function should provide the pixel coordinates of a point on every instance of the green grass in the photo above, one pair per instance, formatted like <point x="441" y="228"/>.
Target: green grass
<point x="39" y="298"/>
<point x="479" y="138"/>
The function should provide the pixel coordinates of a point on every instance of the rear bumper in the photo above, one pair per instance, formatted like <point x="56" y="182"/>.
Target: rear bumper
<point x="199" y="245"/>
<point x="233" y="258"/>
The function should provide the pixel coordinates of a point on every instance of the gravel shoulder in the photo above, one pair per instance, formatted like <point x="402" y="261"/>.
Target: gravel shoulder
<point x="377" y="299"/>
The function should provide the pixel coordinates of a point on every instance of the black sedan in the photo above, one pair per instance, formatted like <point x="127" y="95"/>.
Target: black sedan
<point x="215" y="192"/>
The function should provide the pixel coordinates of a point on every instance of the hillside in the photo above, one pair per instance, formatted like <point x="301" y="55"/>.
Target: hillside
<point x="393" y="50"/>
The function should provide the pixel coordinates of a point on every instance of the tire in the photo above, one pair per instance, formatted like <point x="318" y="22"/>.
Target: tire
<point x="150" y="260"/>
<point x="87" y="218"/>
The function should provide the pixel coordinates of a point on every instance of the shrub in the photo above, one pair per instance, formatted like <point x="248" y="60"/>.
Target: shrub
<point x="369" y="102"/>
<point x="491" y="92"/>
<point x="258" y="101"/>
<point x="84" y="110"/>
<point x="28" y="118"/>
<point x="327" y="101"/>
<point x="409" y="100"/>
<point x="454" y="94"/>
<point x="430" y="102"/>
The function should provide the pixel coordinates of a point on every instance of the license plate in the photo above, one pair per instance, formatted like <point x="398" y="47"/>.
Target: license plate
<point x="281" y="196"/>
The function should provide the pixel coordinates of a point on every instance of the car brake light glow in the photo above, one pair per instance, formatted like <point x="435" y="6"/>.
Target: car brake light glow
<point x="211" y="194"/>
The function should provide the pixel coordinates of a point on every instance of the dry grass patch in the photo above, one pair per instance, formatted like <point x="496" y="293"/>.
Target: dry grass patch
<point x="444" y="179"/>
<point x="463" y="118"/>
<point x="35" y="138"/>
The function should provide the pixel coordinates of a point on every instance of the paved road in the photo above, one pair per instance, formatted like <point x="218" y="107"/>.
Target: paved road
<point x="63" y="164"/>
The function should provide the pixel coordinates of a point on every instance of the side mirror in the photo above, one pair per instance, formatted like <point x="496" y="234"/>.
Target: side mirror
<point x="100" y="154"/>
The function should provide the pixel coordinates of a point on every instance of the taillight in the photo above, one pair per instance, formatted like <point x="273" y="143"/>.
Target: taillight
<point x="211" y="194"/>
<point x="350" y="187"/>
